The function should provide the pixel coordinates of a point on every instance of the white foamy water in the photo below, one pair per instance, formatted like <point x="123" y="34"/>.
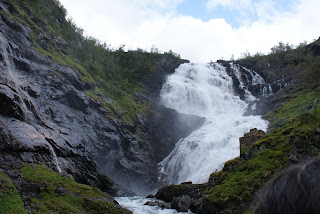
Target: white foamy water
<point x="136" y="205"/>
<point x="205" y="90"/>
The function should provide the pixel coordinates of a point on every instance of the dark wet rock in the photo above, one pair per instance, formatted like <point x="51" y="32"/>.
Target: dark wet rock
<point x="160" y="204"/>
<point x="150" y="196"/>
<point x="106" y="184"/>
<point x="186" y="183"/>
<point x="167" y="193"/>
<point x="184" y="196"/>
<point x="167" y="127"/>
<point x="9" y="103"/>
<point x="181" y="203"/>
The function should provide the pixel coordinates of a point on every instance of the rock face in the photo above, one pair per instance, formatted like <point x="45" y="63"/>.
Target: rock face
<point x="252" y="82"/>
<point x="45" y="117"/>
<point x="167" y="126"/>
<point x="248" y="139"/>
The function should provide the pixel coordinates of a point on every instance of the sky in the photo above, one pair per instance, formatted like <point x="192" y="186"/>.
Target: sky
<point x="198" y="30"/>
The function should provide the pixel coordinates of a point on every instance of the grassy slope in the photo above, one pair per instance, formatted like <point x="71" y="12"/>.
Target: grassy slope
<point x="63" y="195"/>
<point x="10" y="201"/>
<point x="56" y="194"/>
<point x="293" y="134"/>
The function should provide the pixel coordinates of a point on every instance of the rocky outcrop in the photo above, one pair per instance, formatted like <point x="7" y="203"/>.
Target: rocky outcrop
<point x="249" y="79"/>
<point x="182" y="203"/>
<point x="160" y="204"/>
<point x="248" y="139"/>
<point x="38" y="185"/>
<point x="46" y="117"/>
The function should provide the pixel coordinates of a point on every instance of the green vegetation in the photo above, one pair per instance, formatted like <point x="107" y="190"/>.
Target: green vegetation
<point x="10" y="201"/>
<point x="300" y="104"/>
<point x="286" y="61"/>
<point x="293" y="134"/>
<point x="239" y="182"/>
<point x="111" y="75"/>
<point x="63" y="195"/>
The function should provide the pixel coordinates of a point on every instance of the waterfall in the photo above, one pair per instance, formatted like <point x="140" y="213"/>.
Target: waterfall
<point x="54" y="157"/>
<point x="205" y="90"/>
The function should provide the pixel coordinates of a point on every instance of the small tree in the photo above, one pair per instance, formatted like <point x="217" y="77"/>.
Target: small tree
<point x="154" y="49"/>
<point x="281" y="47"/>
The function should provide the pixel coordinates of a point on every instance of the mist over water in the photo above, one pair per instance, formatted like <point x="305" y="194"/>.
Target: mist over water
<point x="205" y="90"/>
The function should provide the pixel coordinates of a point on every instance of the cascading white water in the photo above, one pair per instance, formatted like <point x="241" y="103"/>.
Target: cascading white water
<point x="205" y="90"/>
<point x="136" y="205"/>
<point x="55" y="158"/>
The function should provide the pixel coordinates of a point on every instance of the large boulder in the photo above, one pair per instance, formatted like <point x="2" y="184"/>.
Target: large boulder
<point x="181" y="203"/>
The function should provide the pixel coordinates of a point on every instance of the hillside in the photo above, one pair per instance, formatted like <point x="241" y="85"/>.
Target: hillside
<point x="81" y="122"/>
<point x="86" y="111"/>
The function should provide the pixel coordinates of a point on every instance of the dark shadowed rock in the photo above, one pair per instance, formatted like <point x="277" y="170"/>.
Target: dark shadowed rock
<point x="167" y="193"/>
<point x="181" y="203"/>
<point x="156" y="78"/>
<point x="160" y="204"/>
<point x="314" y="48"/>
<point x="167" y="127"/>
<point x="184" y="196"/>
<point x="150" y="196"/>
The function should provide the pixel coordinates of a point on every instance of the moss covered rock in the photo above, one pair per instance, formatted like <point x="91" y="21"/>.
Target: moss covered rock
<point x="49" y="192"/>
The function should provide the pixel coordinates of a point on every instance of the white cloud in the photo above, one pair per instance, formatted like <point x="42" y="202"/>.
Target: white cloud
<point x="143" y="23"/>
<point x="232" y="4"/>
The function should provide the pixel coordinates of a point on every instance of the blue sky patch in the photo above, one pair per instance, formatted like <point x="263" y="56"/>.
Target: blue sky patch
<point x="235" y="17"/>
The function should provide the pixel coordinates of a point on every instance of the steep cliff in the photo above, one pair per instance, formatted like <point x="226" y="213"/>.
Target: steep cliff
<point x="72" y="104"/>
